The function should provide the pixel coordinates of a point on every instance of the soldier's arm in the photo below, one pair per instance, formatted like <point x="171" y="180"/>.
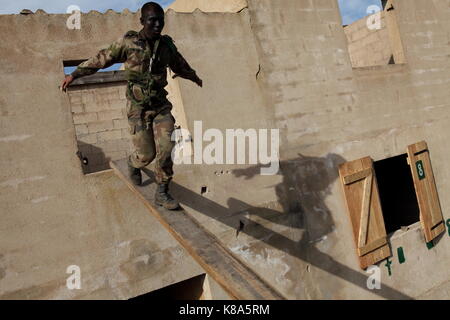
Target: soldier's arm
<point x="114" y="53"/>
<point x="105" y="58"/>
<point x="180" y="66"/>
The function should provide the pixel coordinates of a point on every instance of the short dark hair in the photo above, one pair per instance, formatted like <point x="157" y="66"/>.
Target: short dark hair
<point x="151" y="6"/>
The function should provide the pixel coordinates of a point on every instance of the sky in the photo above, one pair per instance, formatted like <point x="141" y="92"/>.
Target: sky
<point x="352" y="10"/>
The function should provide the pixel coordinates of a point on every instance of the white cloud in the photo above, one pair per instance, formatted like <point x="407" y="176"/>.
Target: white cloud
<point x="60" y="6"/>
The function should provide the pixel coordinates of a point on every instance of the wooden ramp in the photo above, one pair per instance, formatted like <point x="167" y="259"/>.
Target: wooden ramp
<point x="238" y="280"/>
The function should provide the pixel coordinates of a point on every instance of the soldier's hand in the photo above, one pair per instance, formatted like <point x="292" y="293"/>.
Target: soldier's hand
<point x="67" y="80"/>
<point x="199" y="82"/>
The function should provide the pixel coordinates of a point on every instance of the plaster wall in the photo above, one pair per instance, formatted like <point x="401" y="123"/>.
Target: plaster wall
<point x="52" y="215"/>
<point x="280" y="64"/>
<point x="297" y="233"/>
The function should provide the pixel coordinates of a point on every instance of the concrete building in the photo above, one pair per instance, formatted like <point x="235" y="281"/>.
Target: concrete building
<point x="266" y="64"/>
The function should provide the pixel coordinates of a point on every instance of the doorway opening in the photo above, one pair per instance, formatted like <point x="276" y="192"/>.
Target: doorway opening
<point x="397" y="193"/>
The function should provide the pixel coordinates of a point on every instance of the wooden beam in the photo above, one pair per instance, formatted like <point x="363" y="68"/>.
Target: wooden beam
<point x="365" y="211"/>
<point x="237" y="279"/>
<point x="357" y="176"/>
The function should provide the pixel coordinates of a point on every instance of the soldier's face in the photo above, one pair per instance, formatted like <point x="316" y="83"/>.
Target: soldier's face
<point x="153" y="23"/>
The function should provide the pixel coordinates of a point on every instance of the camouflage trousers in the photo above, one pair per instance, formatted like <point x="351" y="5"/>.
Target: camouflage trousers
<point x="151" y="132"/>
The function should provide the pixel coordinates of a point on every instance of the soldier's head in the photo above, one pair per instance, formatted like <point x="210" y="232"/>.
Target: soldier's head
<point x="152" y="18"/>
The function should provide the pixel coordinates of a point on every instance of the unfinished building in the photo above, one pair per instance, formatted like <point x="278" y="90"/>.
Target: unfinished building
<point x="362" y="180"/>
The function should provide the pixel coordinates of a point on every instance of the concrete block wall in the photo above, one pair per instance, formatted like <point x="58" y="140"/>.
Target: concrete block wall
<point x="101" y="125"/>
<point x="368" y="47"/>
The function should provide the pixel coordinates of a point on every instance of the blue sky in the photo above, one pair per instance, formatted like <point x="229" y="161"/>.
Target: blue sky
<point x="352" y="10"/>
<point x="60" y="6"/>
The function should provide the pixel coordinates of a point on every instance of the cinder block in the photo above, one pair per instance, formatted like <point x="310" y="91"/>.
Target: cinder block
<point x="106" y="94"/>
<point x="106" y="146"/>
<point x="109" y="135"/>
<point x="120" y="123"/>
<point x="126" y="134"/>
<point x="100" y="126"/>
<point x="324" y="4"/>
<point x="305" y="4"/>
<point x="84" y="118"/>
<point x="77" y="107"/>
<point x="116" y="104"/>
<point x="95" y="106"/>
<point x="88" y="138"/>
<point x="75" y="97"/>
<point x="81" y="129"/>
<point x="110" y="114"/>
<point x="87" y="97"/>
<point x="117" y="155"/>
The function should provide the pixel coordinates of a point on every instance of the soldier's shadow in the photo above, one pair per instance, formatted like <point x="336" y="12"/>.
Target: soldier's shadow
<point x="306" y="182"/>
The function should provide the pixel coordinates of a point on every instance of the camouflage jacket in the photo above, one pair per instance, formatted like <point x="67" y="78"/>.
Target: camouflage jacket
<point x="145" y="86"/>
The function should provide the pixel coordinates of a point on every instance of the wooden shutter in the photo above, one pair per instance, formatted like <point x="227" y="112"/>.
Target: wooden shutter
<point x="363" y="203"/>
<point x="430" y="209"/>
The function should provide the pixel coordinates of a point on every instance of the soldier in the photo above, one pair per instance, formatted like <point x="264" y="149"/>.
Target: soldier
<point x="146" y="55"/>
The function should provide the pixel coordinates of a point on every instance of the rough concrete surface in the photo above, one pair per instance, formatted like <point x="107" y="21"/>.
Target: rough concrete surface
<point x="280" y="64"/>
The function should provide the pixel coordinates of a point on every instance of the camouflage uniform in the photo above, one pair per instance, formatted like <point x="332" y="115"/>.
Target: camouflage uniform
<point x="148" y="110"/>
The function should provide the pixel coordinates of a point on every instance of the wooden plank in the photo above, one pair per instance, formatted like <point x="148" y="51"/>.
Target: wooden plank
<point x="365" y="211"/>
<point x="237" y="279"/>
<point x="426" y="191"/>
<point x="372" y="246"/>
<point x="438" y="229"/>
<point x="419" y="147"/>
<point x="357" y="176"/>
<point x="375" y="250"/>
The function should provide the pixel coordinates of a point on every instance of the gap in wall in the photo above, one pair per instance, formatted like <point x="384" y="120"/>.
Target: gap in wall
<point x="190" y="289"/>
<point x="397" y="193"/>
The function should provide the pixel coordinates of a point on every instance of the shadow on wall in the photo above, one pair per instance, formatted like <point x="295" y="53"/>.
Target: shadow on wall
<point x="92" y="158"/>
<point x="306" y="183"/>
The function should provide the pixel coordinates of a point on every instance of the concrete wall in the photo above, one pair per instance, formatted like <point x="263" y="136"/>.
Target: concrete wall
<point x="296" y="230"/>
<point x="208" y="6"/>
<point x="278" y="64"/>
<point x="368" y="47"/>
<point x="53" y="215"/>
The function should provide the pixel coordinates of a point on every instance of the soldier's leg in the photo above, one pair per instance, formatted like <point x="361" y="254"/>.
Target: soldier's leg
<point x="163" y="125"/>
<point x="142" y="138"/>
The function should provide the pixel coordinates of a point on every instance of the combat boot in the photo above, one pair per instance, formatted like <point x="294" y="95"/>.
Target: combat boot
<point x="135" y="174"/>
<point x="163" y="198"/>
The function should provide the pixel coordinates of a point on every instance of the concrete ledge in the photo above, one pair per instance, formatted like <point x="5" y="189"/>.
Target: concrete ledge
<point x="100" y="77"/>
